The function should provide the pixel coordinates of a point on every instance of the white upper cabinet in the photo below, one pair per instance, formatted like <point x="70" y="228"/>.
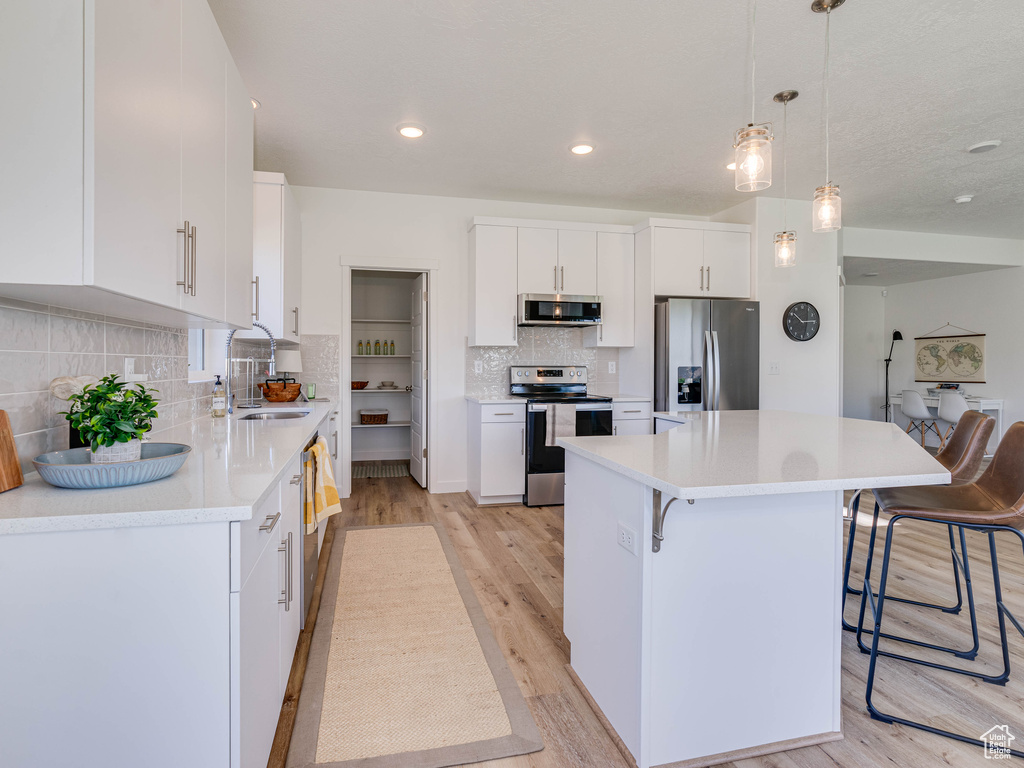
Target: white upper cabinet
<point x="492" y="286"/>
<point x="727" y="264"/>
<point x="537" y="260"/>
<point x="701" y="262"/>
<point x="557" y="261"/>
<point x="238" y="266"/>
<point x="615" y="286"/>
<point x="577" y="262"/>
<point x="276" y="280"/>
<point x="145" y="125"/>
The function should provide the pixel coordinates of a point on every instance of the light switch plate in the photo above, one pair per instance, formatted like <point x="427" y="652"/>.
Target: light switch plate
<point x="774" y="369"/>
<point x="478" y="366"/>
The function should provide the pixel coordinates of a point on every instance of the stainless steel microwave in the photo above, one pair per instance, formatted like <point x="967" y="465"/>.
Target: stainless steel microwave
<point x="559" y="309"/>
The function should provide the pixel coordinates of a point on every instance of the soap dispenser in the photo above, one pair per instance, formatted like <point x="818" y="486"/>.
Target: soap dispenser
<point x="220" y="403"/>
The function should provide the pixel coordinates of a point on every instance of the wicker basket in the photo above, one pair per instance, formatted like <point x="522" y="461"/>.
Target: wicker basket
<point x="279" y="392"/>
<point x="373" y="416"/>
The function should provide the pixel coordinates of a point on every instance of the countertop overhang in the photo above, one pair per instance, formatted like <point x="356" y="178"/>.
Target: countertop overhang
<point x="718" y="454"/>
<point x="234" y="465"/>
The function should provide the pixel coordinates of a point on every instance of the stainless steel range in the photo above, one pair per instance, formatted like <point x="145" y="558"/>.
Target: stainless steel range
<point x="542" y="387"/>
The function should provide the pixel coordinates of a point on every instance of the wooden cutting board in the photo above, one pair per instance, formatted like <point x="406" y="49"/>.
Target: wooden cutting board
<point x="10" y="467"/>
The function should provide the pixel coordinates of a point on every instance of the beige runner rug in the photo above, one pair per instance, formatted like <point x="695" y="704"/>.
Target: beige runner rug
<point x="403" y="670"/>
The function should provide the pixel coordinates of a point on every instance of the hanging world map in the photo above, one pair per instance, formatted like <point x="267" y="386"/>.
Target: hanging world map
<point x="950" y="358"/>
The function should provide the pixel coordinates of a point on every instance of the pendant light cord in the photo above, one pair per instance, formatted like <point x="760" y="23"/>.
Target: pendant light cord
<point x="785" y="167"/>
<point x="753" y="63"/>
<point x="828" y="17"/>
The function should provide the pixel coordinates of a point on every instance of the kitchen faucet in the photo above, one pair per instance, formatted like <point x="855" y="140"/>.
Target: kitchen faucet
<point x="271" y="370"/>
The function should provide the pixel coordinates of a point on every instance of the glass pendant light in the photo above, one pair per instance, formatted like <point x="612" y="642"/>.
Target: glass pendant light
<point x="827" y="209"/>
<point x="785" y="241"/>
<point x="753" y="142"/>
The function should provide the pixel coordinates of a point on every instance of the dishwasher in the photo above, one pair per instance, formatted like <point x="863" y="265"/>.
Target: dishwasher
<point x="310" y="556"/>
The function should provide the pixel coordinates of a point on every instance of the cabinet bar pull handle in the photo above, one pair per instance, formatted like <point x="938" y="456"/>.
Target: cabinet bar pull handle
<point x="185" y="259"/>
<point x="631" y="411"/>
<point x="335" y="445"/>
<point x="296" y="311"/>
<point x="296" y="479"/>
<point x="282" y="597"/>
<point x="522" y="437"/>
<point x="256" y="304"/>
<point x="709" y="278"/>
<point x="615" y="429"/>
<point x="556" y="278"/>
<point x="515" y="334"/>
<point x="194" y="263"/>
<point x="562" y="288"/>
<point x="702" y="278"/>
<point x="504" y="414"/>
<point x="270" y="522"/>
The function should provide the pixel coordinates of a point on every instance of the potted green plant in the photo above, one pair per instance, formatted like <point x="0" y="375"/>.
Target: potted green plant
<point x="111" y="418"/>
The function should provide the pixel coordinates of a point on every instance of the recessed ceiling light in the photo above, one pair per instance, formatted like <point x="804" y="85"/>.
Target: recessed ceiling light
<point x="870" y="274"/>
<point x="411" y="130"/>
<point x="581" y="149"/>
<point x="731" y="167"/>
<point x="984" y="146"/>
<point x="963" y="198"/>
<point x="255" y="104"/>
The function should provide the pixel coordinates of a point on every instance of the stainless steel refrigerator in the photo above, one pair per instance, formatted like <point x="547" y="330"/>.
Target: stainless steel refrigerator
<point x="706" y="355"/>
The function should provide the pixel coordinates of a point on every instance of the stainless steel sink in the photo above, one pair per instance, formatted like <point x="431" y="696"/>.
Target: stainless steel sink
<point x="266" y="415"/>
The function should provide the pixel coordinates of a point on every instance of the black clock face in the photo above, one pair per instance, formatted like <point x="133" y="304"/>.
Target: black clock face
<point x="801" y="321"/>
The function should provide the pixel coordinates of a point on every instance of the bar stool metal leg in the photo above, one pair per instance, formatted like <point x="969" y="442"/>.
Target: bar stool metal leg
<point x="878" y="607"/>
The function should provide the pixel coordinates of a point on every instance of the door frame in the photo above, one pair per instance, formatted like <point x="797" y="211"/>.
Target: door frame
<point x="349" y="264"/>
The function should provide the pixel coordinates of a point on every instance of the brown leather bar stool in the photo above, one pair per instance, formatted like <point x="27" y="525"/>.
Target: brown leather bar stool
<point x="962" y="456"/>
<point x="993" y="504"/>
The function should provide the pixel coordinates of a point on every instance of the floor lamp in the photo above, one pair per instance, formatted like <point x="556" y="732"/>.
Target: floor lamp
<point x="896" y="336"/>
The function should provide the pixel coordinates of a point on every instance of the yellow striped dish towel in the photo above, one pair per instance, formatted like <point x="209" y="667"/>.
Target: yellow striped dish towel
<point x="322" y="499"/>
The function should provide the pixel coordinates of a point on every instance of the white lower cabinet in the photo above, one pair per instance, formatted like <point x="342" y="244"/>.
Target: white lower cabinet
<point x="497" y="453"/>
<point x="289" y="548"/>
<point x="631" y="418"/>
<point x="259" y="643"/>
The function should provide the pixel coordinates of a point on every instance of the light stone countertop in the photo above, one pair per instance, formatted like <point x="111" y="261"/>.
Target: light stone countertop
<point x="234" y="465"/>
<point x="719" y="454"/>
<point x="679" y="417"/>
<point x="496" y="400"/>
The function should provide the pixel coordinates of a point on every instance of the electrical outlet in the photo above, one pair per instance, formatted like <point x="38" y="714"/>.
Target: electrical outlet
<point x="129" y="371"/>
<point x="628" y="539"/>
<point x="611" y="366"/>
<point x="478" y="366"/>
<point x="774" y="369"/>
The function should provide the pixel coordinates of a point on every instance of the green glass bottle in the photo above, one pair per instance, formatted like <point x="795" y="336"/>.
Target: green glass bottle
<point x="360" y="346"/>
<point x="376" y="347"/>
<point x="392" y="347"/>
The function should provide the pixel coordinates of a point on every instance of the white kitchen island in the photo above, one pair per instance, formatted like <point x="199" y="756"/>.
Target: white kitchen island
<point x="722" y="639"/>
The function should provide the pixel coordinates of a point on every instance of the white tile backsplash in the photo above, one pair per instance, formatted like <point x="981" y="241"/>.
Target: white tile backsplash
<point x="539" y="346"/>
<point x="39" y="343"/>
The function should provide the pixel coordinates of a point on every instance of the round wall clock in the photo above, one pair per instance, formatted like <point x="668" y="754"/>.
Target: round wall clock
<point x="801" y="321"/>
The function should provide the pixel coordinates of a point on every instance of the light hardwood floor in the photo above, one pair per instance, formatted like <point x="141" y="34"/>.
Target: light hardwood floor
<point x="513" y="556"/>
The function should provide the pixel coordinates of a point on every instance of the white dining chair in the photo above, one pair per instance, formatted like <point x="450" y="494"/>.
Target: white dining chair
<point x="920" y="415"/>
<point x="952" y="406"/>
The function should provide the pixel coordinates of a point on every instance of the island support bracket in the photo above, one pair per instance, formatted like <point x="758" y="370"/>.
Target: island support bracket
<point x="659" y="518"/>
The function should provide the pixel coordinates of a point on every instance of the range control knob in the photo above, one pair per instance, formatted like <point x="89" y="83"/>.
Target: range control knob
<point x="572" y="373"/>
<point x="519" y="373"/>
<point x="579" y="372"/>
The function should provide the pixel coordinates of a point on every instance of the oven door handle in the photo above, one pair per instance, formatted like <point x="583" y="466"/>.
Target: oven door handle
<point x="585" y="407"/>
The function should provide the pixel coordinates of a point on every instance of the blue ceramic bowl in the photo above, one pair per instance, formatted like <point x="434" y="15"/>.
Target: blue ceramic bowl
<point x="73" y="469"/>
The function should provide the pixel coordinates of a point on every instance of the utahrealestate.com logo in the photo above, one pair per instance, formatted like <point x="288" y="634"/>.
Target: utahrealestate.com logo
<point x="998" y="742"/>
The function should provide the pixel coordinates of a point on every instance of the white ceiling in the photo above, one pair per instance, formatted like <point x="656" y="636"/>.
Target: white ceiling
<point x="861" y="270"/>
<point x="504" y="86"/>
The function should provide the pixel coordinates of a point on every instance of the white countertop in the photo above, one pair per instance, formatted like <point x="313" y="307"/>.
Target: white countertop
<point x="234" y="464"/>
<point x="495" y="400"/>
<point x="753" y="453"/>
<point x="679" y="417"/>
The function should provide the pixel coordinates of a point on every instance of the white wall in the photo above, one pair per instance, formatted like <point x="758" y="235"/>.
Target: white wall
<point x="986" y="302"/>
<point x="866" y="340"/>
<point x="809" y="371"/>
<point x="374" y="229"/>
